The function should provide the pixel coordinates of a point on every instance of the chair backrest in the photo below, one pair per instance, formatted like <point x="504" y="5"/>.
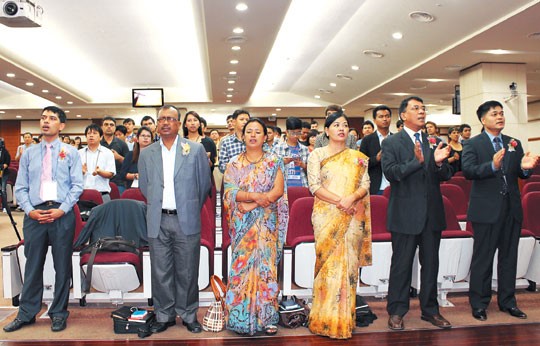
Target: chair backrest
<point x="463" y="183"/>
<point x="379" y="208"/>
<point x="92" y="196"/>
<point x="452" y="222"/>
<point x="12" y="177"/>
<point x="458" y="174"/>
<point x="207" y="227"/>
<point x="133" y="193"/>
<point x="456" y="196"/>
<point x="386" y="192"/>
<point x="225" y="236"/>
<point x="300" y="220"/>
<point x="79" y="224"/>
<point x="115" y="193"/>
<point x="529" y="187"/>
<point x="296" y="192"/>
<point x="535" y="178"/>
<point x="210" y="211"/>
<point x="531" y="212"/>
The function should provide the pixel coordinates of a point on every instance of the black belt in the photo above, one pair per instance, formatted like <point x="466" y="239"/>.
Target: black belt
<point x="104" y="193"/>
<point x="48" y="204"/>
<point x="169" y="211"/>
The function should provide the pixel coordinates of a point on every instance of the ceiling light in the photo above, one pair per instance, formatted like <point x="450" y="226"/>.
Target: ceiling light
<point x="45" y="91"/>
<point x="66" y="111"/>
<point x="397" y="36"/>
<point x="373" y="54"/>
<point x="2" y="112"/>
<point x="58" y="97"/>
<point x="496" y="51"/>
<point x="232" y="73"/>
<point x="229" y="95"/>
<point x="418" y="87"/>
<point x="18" y="116"/>
<point x="274" y="114"/>
<point x="333" y="85"/>
<point x="10" y="75"/>
<point x="234" y="61"/>
<point x="231" y="81"/>
<point x="317" y="96"/>
<point x="343" y="76"/>
<point x="399" y="94"/>
<point x="230" y="89"/>
<point x="433" y="80"/>
<point x="355" y="67"/>
<point x="238" y="30"/>
<point x="453" y="67"/>
<point x="71" y="102"/>
<point x="78" y="115"/>
<point x="29" y="84"/>
<point x="421" y="16"/>
<point x="236" y="48"/>
<point x="229" y="101"/>
<point x="241" y="7"/>
<point x="278" y="109"/>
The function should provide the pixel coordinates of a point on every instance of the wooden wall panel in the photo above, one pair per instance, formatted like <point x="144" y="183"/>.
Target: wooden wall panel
<point x="10" y="130"/>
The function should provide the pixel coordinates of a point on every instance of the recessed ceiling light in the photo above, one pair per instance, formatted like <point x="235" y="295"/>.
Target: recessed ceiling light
<point x="71" y="102"/>
<point x="418" y="87"/>
<point x="229" y="95"/>
<point x="333" y="85"/>
<point x="421" y="16"/>
<point x="228" y="101"/>
<point x="433" y="80"/>
<point x="45" y="91"/>
<point x="278" y="109"/>
<point x="78" y="115"/>
<point x="232" y="73"/>
<point x="230" y="89"/>
<point x="2" y="112"/>
<point x="496" y="51"/>
<point x="373" y="54"/>
<point x="234" y="61"/>
<point x="58" y="97"/>
<point x="241" y="7"/>
<point x="236" y="48"/>
<point x="66" y="111"/>
<point x="399" y="94"/>
<point x="397" y="36"/>
<point x="29" y="84"/>
<point x="453" y="67"/>
<point x="231" y="81"/>
<point x="355" y="67"/>
<point x="10" y="75"/>
<point x="317" y="96"/>
<point x="274" y="114"/>
<point x="213" y="110"/>
<point x="238" y="30"/>
<point x="18" y="116"/>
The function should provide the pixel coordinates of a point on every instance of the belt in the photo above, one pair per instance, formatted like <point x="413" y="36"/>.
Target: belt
<point x="48" y="204"/>
<point x="104" y="193"/>
<point x="169" y="211"/>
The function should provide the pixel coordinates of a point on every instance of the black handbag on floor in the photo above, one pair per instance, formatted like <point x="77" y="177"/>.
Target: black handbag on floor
<point x="124" y="323"/>
<point x="293" y="312"/>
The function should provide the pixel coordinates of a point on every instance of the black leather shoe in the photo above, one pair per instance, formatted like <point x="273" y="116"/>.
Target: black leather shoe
<point x="395" y="322"/>
<point x="437" y="320"/>
<point x="515" y="312"/>
<point x="479" y="314"/>
<point x="158" y="327"/>
<point x="194" y="327"/>
<point x="58" y="324"/>
<point x="17" y="324"/>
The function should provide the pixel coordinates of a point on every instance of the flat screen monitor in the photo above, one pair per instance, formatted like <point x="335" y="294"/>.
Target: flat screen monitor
<point x="147" y="97"/>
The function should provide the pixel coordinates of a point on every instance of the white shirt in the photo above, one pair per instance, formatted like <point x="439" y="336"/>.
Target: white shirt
<point x="169" y="158"/>
<point x="102" y="157"/>
<point x="411" y="134"/>
<point x="384" y="182"/>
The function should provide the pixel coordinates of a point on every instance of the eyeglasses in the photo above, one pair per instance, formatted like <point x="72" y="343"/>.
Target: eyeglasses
<point x="295" y="133"/>
<point x="145" y="136"/>
<point x="417" y="108"/>
<point x="168" y="119"/>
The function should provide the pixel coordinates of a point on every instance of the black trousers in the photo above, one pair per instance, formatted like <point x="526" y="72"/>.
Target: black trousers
<point x="403" y="251"/>
<point x="37" y="238"/>
<point x="503" y="235"/>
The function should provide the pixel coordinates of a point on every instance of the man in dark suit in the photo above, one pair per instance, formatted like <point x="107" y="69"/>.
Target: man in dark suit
<point x="494" y="162"/>
<point x="371" y="146"/>
<point x="416" y="216"/>
<point x="174" y="176"/>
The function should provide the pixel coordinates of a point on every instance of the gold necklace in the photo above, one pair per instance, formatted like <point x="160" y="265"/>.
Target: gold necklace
<point x="253" y="162"/>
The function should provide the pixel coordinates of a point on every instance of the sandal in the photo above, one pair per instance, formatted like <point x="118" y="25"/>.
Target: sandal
<point x="270" y="329"/>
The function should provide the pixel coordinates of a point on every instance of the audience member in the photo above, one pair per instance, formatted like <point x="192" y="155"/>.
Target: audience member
<point x="120" y="133"/>
<point x="118" y="147"/>
<point x="293" y="154"/>
<point x="27" y="143"/>
<point x="339" y="181"/>
<point x="78" y="143"/>
<point x="312" y="136"/>
<point x="193" y="131"/>
<point x="230" y="125"/>
<point x="270" y="137"/>
<point x="48" y="185"/>
<point x="277" y="135"/>
<point x="256" y="208"/>
<point x="415" y="213"/>
<point x="322" y="139"/>
<point x="494" y="162"/>
<point x="433" y="131"/>
<point x="314" y="125"/>
<point x="66" y="139"/>
<point x="399" y="125"/>
<point x="149" y="122"/>
<point x="455" y="149"/>
<point x="98" y="165"/>
<point x="464" y="132"/>
<point x="130" y="171"/>
<point x="5" y="160"/>
<point x="367" y="128"/>
<point x="371" y="147"/>
<point x="306" y="127"/>
<point x="233" y="145"/>
<point x="131" y="136"/>
<point x="174" y="176"/>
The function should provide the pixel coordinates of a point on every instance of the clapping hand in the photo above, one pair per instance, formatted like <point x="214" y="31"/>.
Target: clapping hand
<point x="528" y="161"/>
<point x="441" y="153"/>
<point x="498" y="159"/>
<point x="418" y="152"/>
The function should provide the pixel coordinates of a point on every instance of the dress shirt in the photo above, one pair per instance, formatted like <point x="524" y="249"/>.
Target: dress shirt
<point x="66" y="171"/>
<point x="169" y="159"/>
<point x="230" y="147"/>
<point x="284" y="150"/>
<point x="411" y="134"/>
<point x="384" y="182"/>
<point x="102" y="157"/>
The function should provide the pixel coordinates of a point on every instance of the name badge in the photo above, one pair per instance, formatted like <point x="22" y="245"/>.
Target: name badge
<point x="50" y="191"/>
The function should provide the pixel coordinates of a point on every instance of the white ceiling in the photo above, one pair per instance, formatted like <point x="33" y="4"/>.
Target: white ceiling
<point x="92" y="53"/>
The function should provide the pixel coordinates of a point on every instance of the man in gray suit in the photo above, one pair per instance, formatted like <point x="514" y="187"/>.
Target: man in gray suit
<point x="174" y="176"/>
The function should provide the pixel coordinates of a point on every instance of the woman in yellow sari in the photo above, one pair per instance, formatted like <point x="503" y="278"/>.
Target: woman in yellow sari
<point x="339" y="180"/>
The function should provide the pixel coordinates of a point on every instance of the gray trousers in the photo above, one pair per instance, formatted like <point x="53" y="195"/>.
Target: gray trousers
<point x="175" y="272"/>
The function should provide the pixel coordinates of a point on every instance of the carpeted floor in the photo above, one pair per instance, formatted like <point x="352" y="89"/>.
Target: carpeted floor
<point x="91" y="323"/>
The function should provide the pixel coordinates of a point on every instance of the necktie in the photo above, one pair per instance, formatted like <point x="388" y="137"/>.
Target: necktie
<point x="46" y="170"/>
<point x="417" y="136"/>
<point x="497" y="144"/>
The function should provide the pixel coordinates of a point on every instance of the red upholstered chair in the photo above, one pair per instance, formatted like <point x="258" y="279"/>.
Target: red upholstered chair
<point x="457" y="197"/>
<point x="115" y="193"/>
<point x="208" y="241"/>
<point x="529" y="187"/>
<point x="226" y="252"/>
<point x="91" y="195"/>
<point x="458" y="174"/>
<point x="463" y="183"/>
<point x="531" y="221"/>
<point x="295" y="192"/>
<point x="299" y="252"/>
<point x="133" y="193"/>
<point x="376" y="276"/>
<point x="10" y="183"/>
<point x="535" y="178"/>
<point x="386" y="192"/>
<point x="211" y="211"/>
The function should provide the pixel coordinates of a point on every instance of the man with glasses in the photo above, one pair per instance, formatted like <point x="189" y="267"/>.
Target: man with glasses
<point x="118" y="147"/>
<point x="294" y="154"/>
<point x="174" y="176"/>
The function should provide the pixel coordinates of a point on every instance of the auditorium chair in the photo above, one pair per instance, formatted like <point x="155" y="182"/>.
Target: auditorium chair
<point x="529" y="187"/>
<point x="377" y="275"/>
<point x="458" y="200"/>
<point x="531" y="221"/>
<point x="299" y="250"/>
<point x="296" y="192"/>
<point x="91" y="195"/>
<point x="115" y="193"/>
<point x="386" y="192"/>
<point x="535" y="178"/>
<point x="223" y="253"/>
<point x="133" y="193"/>
<point x="465" y="184"/>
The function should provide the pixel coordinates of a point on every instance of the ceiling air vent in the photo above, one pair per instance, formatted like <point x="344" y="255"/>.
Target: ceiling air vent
<point x="237" y="39"/>
<point x="421" y="16"/>
<point x="534" y="36"/>
<point x="373" y="54"/>
<point x="343" y="76"/>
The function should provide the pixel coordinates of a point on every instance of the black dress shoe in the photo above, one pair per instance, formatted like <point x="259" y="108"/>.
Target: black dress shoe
<point x="17" y="324"/>
<point x="479" y="314"/>
<point x="395" y="322"/>
<point x="58" y="324"/>
<point x="194" y="327"/>
<point x="158" y="327"/>
<point x="515" y="312"/>
<point x="437" y="320"/>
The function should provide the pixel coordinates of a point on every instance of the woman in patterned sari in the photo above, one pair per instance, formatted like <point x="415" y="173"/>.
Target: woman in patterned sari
<point x="256" y="208"/>
<point x="339" y="180"/>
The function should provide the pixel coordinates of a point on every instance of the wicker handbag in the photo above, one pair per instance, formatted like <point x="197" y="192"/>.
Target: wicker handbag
<point x="214" y="318"/>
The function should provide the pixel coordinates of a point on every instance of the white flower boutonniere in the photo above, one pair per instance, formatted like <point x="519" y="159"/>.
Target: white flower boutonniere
<point x="185" y="149"/>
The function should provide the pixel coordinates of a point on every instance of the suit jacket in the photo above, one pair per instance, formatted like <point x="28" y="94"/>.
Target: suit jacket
<point x="415" y="195"/>
<point x="191" y="185"/>
<point x="5" y="158"/>
<point x="370" y="146"/>
<point x="486" y="199"/>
